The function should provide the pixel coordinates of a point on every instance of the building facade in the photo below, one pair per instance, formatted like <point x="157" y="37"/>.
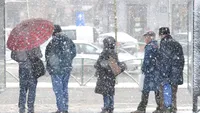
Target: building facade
<point x="138" y="16"/>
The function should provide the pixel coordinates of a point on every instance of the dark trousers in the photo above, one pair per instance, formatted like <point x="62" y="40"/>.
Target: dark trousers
<point x="28" y="85"/>
<point x="108" y="102"/>
<point x="174" y="92"/>
<point x="144" y="101"/>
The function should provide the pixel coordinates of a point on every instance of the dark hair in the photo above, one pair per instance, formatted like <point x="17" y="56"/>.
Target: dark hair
<point x="164" y="31"/>
<point x="57" y="29"/>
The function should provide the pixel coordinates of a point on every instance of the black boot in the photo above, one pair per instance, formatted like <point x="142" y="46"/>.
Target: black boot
<point x="104" y="110"/>
<point x="110" y="110"/>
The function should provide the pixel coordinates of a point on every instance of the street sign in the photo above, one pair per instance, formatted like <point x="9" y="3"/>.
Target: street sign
<point x="80" y="19"/>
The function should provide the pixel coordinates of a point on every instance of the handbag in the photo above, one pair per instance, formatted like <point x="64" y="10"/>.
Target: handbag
<point x="116" y="69"/>
<point x="167" y="95"/>
<point x="38" y="68"/>
<point x="141" y="81"/>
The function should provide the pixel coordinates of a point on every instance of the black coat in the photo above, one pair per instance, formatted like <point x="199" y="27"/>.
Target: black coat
<point x="106" y="79"/>
<point x="171" y="63"/>
<point x="24" y="59"/>
<point x="59" y="54"/>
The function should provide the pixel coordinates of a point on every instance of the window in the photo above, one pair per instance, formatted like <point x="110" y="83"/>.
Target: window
<point x="70" y="33"/>
<point x="87" y="49"/>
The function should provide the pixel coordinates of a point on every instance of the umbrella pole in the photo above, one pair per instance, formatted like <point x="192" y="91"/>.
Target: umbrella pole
<point x="27" y="6"/>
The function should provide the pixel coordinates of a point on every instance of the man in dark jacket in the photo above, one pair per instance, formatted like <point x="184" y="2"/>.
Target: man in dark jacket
<point x="59" y="55"/>
<point x="27" y="81"/>
<point x="171" y="64"/>
<point x="106" y="78"/>
<point x="150" y="71"/>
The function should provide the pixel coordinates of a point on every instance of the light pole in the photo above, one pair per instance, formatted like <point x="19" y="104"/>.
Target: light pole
<point x="27" y="6"/>
<point x="115" y="14"/>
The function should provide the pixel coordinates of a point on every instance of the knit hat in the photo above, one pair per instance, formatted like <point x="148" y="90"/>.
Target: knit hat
<point x="164" y="31"/>
<point x="57" y="29"/>
<point x="150" y="33"/>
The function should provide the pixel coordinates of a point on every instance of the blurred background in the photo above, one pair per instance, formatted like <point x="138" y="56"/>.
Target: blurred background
<point x="87" y="23"/>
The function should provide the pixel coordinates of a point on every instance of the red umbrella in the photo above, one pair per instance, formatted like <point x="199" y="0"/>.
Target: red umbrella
<point x="29" y="34"/>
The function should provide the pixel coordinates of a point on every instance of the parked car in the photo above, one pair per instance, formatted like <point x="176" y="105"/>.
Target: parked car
<point x="90" y="51"/>
<point x="124" y="41"/>
<point x="87" y="54"/>
<point x="86" y="33"/>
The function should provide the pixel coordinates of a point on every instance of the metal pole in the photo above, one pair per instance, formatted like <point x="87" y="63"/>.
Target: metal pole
<point x="115" y="13"/>
<point x="170" y="14"/>
<point x="82" y="73"/>
<point x="2" y="38"/>
<point x="196" y="54"/>
<point x="27" y="6"/>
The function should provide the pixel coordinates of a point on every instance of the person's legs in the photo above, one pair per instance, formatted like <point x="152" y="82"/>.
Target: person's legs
<point x="174" y="92"/>
<point x="144" y="101"/>
<point x="22" y="96"/>
<point x="157" y="98"/>
<point x="31" y="94"/>
<point x="162" y="106"/>
<point x="106" y="102"/>
<point x="158" y="95"/>
<point x="23" y="84"/>
<point x="111" y="103"/>
<point x="58" y="90"/>
<point x="65" y="90"/>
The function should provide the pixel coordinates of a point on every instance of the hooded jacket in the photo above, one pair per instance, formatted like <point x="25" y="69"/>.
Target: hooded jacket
<point x="106" y="79"/>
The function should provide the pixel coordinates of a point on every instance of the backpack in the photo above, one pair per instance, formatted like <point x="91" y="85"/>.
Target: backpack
<point x="38" y="68"/>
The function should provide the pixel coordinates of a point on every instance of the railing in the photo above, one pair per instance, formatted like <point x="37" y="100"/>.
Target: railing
<point x="87" y="75"/>
<point x="84" y="72"/>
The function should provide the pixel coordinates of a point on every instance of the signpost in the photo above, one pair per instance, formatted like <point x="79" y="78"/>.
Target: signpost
<point x="80" y="19"/>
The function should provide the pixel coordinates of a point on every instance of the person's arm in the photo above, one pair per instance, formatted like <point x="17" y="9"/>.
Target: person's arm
<point x="19" y="56"/>
<point x="38" y="52"/>
<point x="48" y="50"/>
<point x="147" y="60"/>
<point x="73" y="49"/>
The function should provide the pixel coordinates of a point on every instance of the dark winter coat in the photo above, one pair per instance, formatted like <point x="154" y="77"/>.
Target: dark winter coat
<point x="59" y="54"/>
<point x="150" y="67"/>
<point x="171" y="61"/>
<point x="106" y="79"/>
<point x="23" y="58"/>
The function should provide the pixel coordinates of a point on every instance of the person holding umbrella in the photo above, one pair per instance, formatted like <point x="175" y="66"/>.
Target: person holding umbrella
<point x="27" y="81"/>
<point x="59" y="55"/>
<point x="24" y="41"/>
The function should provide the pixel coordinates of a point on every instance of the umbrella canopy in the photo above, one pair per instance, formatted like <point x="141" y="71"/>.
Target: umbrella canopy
<point x="29" y="34"/>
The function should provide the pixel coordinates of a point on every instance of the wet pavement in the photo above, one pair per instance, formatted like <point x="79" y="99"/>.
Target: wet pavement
<point x="84" y="100"/>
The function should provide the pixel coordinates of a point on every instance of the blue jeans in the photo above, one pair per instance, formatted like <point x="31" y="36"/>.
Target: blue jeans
<point x="28" y="84"/>
<point x="60" y="88"/>
<point x="108" y="102"/>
